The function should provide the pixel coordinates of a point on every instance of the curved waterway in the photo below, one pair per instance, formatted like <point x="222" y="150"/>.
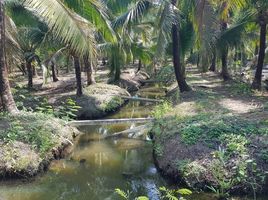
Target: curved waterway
<point x="97" y="166"/>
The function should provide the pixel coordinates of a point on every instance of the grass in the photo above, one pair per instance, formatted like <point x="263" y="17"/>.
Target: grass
<point x="202" y="120"/>
<point x="205" y="127"/>
<point x="28" y="141"/>
<point x="40" y="131"/>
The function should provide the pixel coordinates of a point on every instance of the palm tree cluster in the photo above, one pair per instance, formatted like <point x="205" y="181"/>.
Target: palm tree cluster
<point x="152" y="32"/>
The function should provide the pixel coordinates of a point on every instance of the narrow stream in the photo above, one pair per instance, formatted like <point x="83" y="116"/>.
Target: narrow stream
<point x="96" y="167"/>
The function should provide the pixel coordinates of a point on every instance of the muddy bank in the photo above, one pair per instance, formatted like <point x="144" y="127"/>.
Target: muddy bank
<point x="131" y="80"/>
<point x="29" y="142"/>
<point x="99" y="100"/>
<point x="227" y="154"/>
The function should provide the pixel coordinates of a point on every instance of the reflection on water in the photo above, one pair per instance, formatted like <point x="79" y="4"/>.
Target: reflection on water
<point x="96" y="167"/>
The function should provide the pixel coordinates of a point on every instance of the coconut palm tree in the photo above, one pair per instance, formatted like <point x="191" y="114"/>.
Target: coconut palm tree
<point x="261" y="9"/>
<point x="7" y="101"/>
<point x="215" y="16"/>
<point x="100" y="18"/>
<point x="66" y="25"/>
<point x="165" y="16"/>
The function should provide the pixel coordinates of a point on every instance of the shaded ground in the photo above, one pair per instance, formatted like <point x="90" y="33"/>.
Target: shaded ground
<point x="98" y="100"/>
<point x="214" y="135"/>
<point x="211" y="94"/>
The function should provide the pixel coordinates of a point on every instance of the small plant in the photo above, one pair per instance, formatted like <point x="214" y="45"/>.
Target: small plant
<point x="111" y="105"/>
<point x="158" y="148"/>
<point x="67" y="110"/>
<point x="240" y="88"/>
<point x="161" y="109"/>
<point x="45" y="107"/>
<point x="165" y="194"/>
<point x="34" y="134"/>
<point x="166" y="74"/>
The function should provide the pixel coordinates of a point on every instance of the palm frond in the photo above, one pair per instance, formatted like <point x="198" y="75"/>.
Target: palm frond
<point x="168" y="16"/>
<point x="134" y="14"/>
<point x="233" y="36"/>
<point x="97" y="13"/>
<point x="71" y="28"/>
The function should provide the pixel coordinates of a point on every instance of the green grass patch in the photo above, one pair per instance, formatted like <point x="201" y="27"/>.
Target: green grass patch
<point x="205" y="127"/>
<point x="40" y="131"/>
<point x="240" y="88"/>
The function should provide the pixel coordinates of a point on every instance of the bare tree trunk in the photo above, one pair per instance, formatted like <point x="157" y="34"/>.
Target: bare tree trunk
<point x="7" y="101"/>
<point x="77" y="67"/>
<point x="183" y="86"/>
<point x="204" y="63"/>
<point x="258" y="75"/>
<point x="89" y="72"/>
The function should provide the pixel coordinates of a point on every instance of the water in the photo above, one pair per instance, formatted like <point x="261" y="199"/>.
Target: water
<point x="93" y="170"/>
<point x="96" y="167"/>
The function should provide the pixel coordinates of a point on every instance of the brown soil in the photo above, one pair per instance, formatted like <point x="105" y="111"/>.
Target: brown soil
<point x="95" y="96"/>
<point x="19" y="159"/>
<point x="210" y="95"/>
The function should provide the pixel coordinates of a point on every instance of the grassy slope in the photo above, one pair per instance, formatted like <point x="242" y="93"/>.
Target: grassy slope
<point x="29" y="141"/>
<point x="215" y="134"/>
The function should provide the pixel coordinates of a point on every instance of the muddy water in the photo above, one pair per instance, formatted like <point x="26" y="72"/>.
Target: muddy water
<point x="96" y="166"/>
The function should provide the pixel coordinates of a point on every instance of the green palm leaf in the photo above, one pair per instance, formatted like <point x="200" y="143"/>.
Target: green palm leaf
<point x="71" y="28"/>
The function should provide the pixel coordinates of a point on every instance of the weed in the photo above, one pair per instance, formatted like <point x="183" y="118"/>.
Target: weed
<point x="164" y="193"/>
<point x="240" y="88"/>
<point x="111" y="105"/>
<point x="30" y="129"/>
<point x="162" y="109"/>
<point x="67" y="110"/>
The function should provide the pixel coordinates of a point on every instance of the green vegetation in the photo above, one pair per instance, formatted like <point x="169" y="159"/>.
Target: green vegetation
<point x="29" y="140"/>
<point x="230" y="161"/>
<point x="77" y="59"/>
<point x="161" y="109"/>
<point x="25" y="101"/>
<point x="205" y="127"/>
<point x="165" y="194"/>
<point x="32" y="129"/>
<point x="112" y="105"/>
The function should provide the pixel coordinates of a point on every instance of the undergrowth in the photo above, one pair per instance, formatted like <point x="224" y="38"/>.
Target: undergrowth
<point x="31" y="129"/>
<point x="205" y="127"/>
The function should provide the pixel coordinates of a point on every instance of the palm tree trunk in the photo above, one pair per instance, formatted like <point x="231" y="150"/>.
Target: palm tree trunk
<point x="77" y="67"/>
<point x="30" y="73"/>
<point x="224" y="57"/>
<point x="224" y="72"/>
<point x="7" y="101"/>
<point x="89" y="72"/>
<point x="54" y="74"/>
<point x="213" y="62"/>
<point x="104" y="61"/>
<point x="183" y="86"/>
<point x="139" y="65"/>
<point x="35" y="74"/>
<point x="258" y="75"/>
<point x="22" y="68"/>
<point x="67" y="65"/>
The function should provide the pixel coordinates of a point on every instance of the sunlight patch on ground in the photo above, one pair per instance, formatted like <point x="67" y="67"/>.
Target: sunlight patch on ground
<point x="185" y="109"/>
<point x="238" y="106"/>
